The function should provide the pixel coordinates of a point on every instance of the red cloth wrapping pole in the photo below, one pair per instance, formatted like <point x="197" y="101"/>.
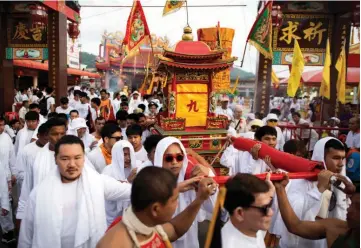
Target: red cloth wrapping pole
<point x="312" y="176"/>
<point x="279" y="160"/>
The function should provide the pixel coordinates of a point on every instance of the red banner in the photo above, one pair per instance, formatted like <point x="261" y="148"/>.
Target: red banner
<point x="137" y="28"/>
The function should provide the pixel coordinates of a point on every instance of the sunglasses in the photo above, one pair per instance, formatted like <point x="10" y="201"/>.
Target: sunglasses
<point x="170" y="157"/>
<point x="272" y="120"/>
<point x="117" y="138"/>
<point x="265" y="209"/>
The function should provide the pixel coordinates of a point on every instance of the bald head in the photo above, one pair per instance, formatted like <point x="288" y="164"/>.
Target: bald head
<point x="354" y="124"/>
<point x="238" y="110"/>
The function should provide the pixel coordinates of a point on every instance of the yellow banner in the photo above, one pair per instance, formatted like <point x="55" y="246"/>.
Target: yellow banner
<point x="192" y="106"/>
<point x="172" y="6"/>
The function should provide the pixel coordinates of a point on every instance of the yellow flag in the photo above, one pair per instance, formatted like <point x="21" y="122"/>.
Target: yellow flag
<point x="172" y="6"/>
<point x="341" y="78"/>
<point x="275" y="80"/>
<point x="297" y="68"/>
<point x="325" y="83"/>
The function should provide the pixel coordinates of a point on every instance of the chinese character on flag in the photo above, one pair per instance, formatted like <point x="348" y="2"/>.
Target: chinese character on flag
<point x="137" y="29"/>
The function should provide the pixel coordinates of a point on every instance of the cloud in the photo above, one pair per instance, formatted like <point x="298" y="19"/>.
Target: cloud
<point x="95" y="20"/>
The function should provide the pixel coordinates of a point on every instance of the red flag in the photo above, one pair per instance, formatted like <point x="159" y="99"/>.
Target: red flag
<point x="137" y="29"/>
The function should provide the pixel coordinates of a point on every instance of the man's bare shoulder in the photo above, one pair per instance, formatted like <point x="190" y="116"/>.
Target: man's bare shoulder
<point x="116" y="237"/>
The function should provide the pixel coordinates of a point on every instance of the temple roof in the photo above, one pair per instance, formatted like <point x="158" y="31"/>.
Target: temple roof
<point x="193" y="50"/>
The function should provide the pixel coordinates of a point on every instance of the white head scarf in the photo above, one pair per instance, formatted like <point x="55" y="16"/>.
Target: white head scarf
<point x="75" y="125"/>
<point x="119" y="171"/>
<point x="158" y="161"/>
<point x="342" y="204"/>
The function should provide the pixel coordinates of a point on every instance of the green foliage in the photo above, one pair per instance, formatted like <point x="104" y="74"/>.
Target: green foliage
<point x="87" y="59"/>
<point x="243" y="75"/>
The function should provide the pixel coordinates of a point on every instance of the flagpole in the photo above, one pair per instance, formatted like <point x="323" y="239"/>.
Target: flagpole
<point x="187" y="12"/>
<point x="244" y="53"/>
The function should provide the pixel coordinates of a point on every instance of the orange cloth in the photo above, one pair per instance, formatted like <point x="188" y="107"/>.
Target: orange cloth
<point x="106" y="110"/>
<point x="107" y="155"/>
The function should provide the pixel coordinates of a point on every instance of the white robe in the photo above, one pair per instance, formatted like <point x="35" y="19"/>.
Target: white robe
<point x="305" y="199"/>
<point x="42" y="120"/>
<point x="96" y="157"/>
<point x="23" y="138"/>
<point x="280" y="139"/>
<point x="190" y="238"/>
<point x="7" y="155"/>
<point x="241" y="162"/>
<point x="6" y="222"/>
<point x="44" y="166"/>
<point x="231" y="238"/>
<point x="117" y="171"/>
<point x="41" y="227"/>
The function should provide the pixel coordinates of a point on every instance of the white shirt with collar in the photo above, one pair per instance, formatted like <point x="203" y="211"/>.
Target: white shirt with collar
<point x="231" y="237"/>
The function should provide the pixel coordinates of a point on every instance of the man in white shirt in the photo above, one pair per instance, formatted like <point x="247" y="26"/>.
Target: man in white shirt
<point x="248" y="162"/>
<point x="64" y="106"/>
<point x="50" y="102"/>
<point x="99" y="124"/>
<point x="73" y="114"/>
<point x="92" y="93"/>
<point x="248" y="202"/>
<point x="353" y="136"/>
<point x="237" y="117"/>
<point x="142" y="121"/>
<point x="23" y="110"/>
<point x="122" y="122"/>
<point x="295" y="105"/>
<point x="134" y="136"/>
<point x="67" y="209"/>
<point x="304" y="134"/>
<point x="223" y="109"/>
<point x="24" y="96"/>
<point x="101" y="156"/>
<point x="272" y="121"/>
<point x="25" y="134"/>
<point x="84" y="107"/>
<point x="75" y="101"/>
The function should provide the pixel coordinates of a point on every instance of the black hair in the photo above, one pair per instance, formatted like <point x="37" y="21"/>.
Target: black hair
<point x="292" y="110"/>
<point x="123" y="104"/>
<point x="63" y="116"/>
<point x="275" y="111"/>
<point x="265" y="130"/>
<point x="74" y="111"/>
<point x="103" y="90"/>
<point x="83" y="94"/>
<point x="109" y="129"/>
<point x="146" y="96"/>
<point x="32" y="116"/>
<point x="39" y="94"/>
<point x="68" y="140"/>
<point x="297" y="114"/>
<point x="151" y="142"/>
<point x="25" y="101"/>
<point x="335" y="144"/>
<point x="52" y="115"/>
<point x="241" y="190"/>
<point x="293" y="146"/>
<point x="77" y="92"/>
<point x="43" y="129"/>
<point x="121" y="115"/>
<point x="141" y="115"/>
<point x="2" y="119"/>
<point x="49" y="90"/>
<point x="141" y="106"/>
<point x="100" y="118"/>
<point x="124" y="98"/>
<point x="12" y="122"/>
<point x="152" y="184"/>
<point x="134" y="117"/>
<point x="55" y="122"/>
<point x="96" y="101"/>
<point x="34" y="106"/>
<point x="258" y="115"/>
<point x="64" y="100"/>
<point x="134" y="129"/>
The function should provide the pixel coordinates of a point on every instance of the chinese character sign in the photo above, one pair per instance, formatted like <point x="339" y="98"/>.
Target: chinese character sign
<point x="192" y="104"/>
<point x="311" y="32"/>
<point x="25" y="34"/>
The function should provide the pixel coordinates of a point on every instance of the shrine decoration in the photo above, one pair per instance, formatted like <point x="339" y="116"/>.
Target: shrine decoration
<point x="277" y="16"/>
<point x="190" y="96"/>
<point x="221" y="39"/>
<point x="73" y="30"/>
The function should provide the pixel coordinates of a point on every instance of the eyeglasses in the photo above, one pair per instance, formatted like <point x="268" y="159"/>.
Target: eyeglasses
<point x="117" y="138"/>
<point x="272" y="120"/>
<point x="264" y="210"/>
<point x="170" y="157"/>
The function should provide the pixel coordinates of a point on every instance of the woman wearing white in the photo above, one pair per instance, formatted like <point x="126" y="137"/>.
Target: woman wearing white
<point x="170" y="154"/>
<point x="123" y="165"/>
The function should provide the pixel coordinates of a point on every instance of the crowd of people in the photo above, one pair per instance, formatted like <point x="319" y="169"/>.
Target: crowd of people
<point x="90" y="173"/>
